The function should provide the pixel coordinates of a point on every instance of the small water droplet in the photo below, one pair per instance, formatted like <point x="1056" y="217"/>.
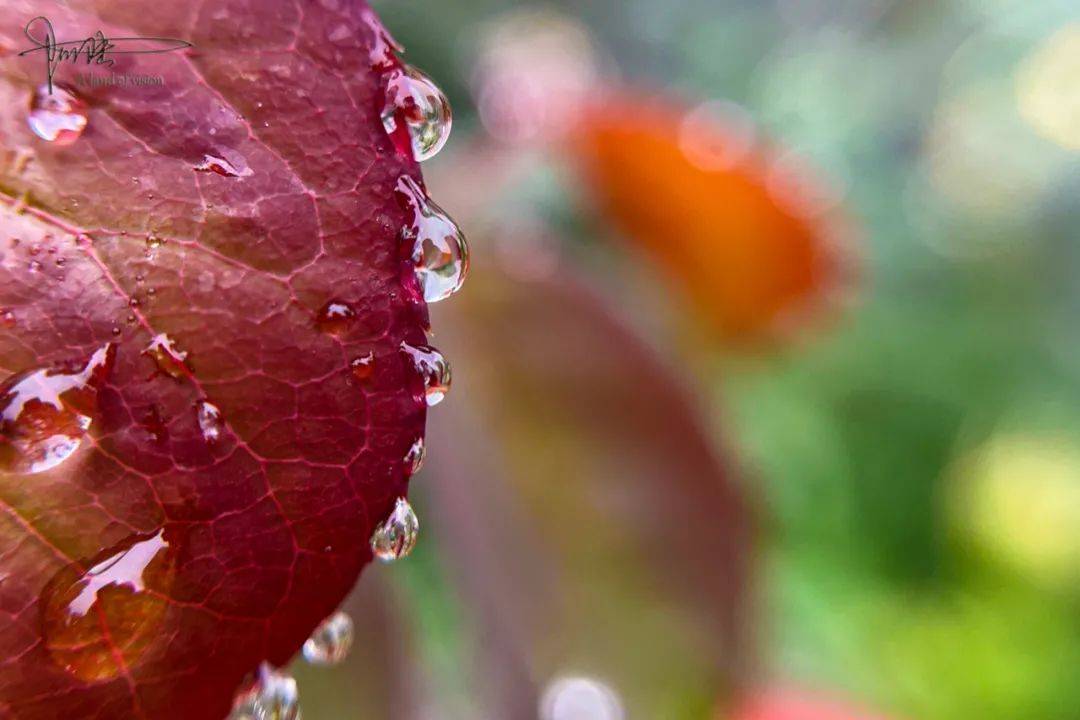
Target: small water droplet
<point x="330" y="642"/>
<point x="59" y="116"/>
<point x="396" y="537"/>
<point x="7" y="318"/>
<point x="414" y="458"/>
<point x="45" y="414"/>
<point x="335" y="317"/>
<point x="434" y="370"/>
<point x="34" y="266"/>
<point x="230" y="164"/>
<point x="98" y="622"/>
<point x="153" y="242"/>
<point x="273" y="696"/>
<point x="434" y="245"/>
<point x="211" y="422"/>
<point x="414" y="101"/>
<point x="115" y="330"/>
<point x="167" y="357"/>
<point x="363" y="367"/>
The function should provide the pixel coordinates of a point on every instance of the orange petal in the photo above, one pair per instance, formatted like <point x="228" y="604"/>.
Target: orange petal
<point x="751" y="239"/>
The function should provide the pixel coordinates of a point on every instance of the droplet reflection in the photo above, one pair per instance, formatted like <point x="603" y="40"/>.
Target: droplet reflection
<point x="331" y="641"/>
<point x="58" y="116"/>
<point x="415" y="102"/>
<point x="396" y="537"/>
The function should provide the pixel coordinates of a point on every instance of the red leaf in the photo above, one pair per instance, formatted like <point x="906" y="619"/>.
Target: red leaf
<point x="190" y="467"/>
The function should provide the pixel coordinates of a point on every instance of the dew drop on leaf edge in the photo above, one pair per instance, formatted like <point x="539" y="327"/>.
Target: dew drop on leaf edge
<point x="434" y="371"/>
<point x="432" y="243"/>
<point x="415" y="101"/>
<point x="396" y="537"/>
<point x="331" y="641"/>
<point x="273" y="696"/>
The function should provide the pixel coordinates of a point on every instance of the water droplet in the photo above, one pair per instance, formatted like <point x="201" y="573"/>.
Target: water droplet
<point x="98" y="622"/>
<point x="363" y="367"/>
<point x="330" y="642"/>
<point x="414" y="458"/>
<point x="273" y="696"/>
<point x="211" y="422"/>
<point x="34" y="266"/>
<point x="59" y="116"/>
<point x="45" y="414"/>
<point x="384" y="48"/>
<point x="335" y="317"/>
<point x="396" y="537"/>
<point x="7" y="318"/>
<point x="233" y="165"/>
<point x="433" y="368"/>
<point x="414" y="101"/>
<point x="573" y="698"/>
<point x="167" y="357"/>
<point x="435" y="246"/>
<point x="153" y="242"/>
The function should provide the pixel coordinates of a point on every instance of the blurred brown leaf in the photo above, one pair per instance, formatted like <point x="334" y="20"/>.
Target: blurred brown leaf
<point x="581" y="506"/>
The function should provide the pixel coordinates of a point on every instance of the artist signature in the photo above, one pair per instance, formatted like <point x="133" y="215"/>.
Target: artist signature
<point x="94" y="50"/>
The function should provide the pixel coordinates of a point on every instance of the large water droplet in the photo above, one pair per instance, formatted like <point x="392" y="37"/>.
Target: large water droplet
<point x="335" y="317"/>
<point x="415" y="102"/>
<point x="396" y="537"/>
<point x="273" y="697"/>
<point x="414" y="458"/>
<point x="211" y="423"/>
<point x="434" y="370"/>
<point x="169" y="360"/>
<point x="330" y="642"/>
<point x="98" y="622"/>
<point x="435" y="246"/>
<point x="45" y="414"/>
<point x="58" y="116"/>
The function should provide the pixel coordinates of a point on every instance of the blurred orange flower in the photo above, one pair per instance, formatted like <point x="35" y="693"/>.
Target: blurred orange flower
<point x="749" y="233"/>
<point x="798" y="705"/>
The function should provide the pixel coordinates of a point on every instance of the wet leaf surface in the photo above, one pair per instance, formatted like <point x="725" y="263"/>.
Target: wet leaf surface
<point x="200" y="501"/>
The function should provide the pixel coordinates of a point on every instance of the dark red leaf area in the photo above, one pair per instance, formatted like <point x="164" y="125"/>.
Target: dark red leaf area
<point x="190" y="470"/>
